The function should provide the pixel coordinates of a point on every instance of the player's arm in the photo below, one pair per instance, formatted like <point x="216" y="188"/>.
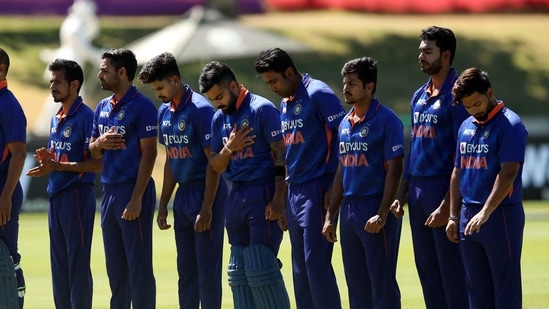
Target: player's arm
<point x="277" y="207"/>
<point x="204" y="218"/>
<point x="452" y="227"/>
<point x="336" y="196"/>
<point x="18" y="155"/>
<point x="390" y="188"/>
<point x="168" y="185"/>
<point x="85" y="166"/>
<point x="501" y="188"/>
<point x="47" y="164"/>
<point x="439" y="216"/>
<point x="397" y="208"/>
<point x="146" y="164"/>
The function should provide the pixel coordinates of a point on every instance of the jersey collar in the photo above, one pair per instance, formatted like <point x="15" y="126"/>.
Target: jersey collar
<point x="184" y="98"/>
<point x="74" y="107"/>
<point x="448" y="83"/>
<point x="305" y="81"/>
<point x="242" y="96"/>
<point x="372" y="110"/>
<point x="127" y="97"/>
<point x="491" y="114"/>
<point x="3" y="84"/>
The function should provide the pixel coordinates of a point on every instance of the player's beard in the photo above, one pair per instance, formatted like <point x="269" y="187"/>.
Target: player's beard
<point x="109" y="85"/>
<point x="230" y="108"/>
<point x="432" y="68"/>
<point x="58" y="98"/>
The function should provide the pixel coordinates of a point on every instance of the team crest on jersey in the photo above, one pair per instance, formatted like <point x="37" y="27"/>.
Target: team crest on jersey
<point x="436" y="105"/>
<point x="67" y="132"/>
<point x="485" y="134"/>
<point x="297" y="109"/>
<point x="245" y="123"/>
<point x="181" y="125"/>
<point x="121" y="115"/>
<point x="364" y="131"/>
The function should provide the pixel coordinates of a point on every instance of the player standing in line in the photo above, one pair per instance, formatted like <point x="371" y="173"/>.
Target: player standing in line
<point x="426" y="181"/>
<point x="124" y="135"/>
<point x="310" y="115"/>
<point x="486" y="190"/>
<point x="71" y="170"/>
<point x="371" y="151"/>
<point x="247" y="145"/>
<point x="13" y="138"/>
<point x="184" y="121"/>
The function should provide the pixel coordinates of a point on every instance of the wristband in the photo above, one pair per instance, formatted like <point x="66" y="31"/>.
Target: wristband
<point x="227" y="147"/>
<point x="453" y="218"/>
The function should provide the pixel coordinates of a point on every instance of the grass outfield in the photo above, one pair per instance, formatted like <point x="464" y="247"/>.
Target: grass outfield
<point x="35" y="261"/>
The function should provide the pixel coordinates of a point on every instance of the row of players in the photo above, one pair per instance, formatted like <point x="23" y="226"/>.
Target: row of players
<point x="322" y="165"/>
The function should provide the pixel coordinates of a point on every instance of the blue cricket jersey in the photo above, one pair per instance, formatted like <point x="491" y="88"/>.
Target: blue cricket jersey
<point x="254" y="162"/>
<point x="366" y="146"/>
<point x="13" y="124"/>
<point x="435" y="123"/>
<point x="309" y="122"/>
<point x="185" y="130"/>
<point x="134" y="116"/>
<point x="483" y="147"/>
<point x="70" y="138"/>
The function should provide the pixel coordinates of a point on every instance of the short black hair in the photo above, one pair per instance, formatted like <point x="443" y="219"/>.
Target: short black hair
<point x="160" y="67"/>
<point x="72" y="70"/>
<point x="274" y="59"/>
<point x="5" y="59"/>
<point x="470" y="81"/>
<point x="122" y="58"/>
<point x="365" y="68"/>
<point x="215" y="73"/>
<point x="444" y="38"/>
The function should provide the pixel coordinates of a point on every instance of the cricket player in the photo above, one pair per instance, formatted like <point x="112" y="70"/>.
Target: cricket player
<point x="184" y="121"/>
<point x="124" y="134"/>
<point x="426" y="181"/>
<point x="13" y="138"/>
<point x="371" y="151"/>
<point x="486" y="211"/>
<point x="71" y="170"/>
<point x="247" y="146"/>
<point x="310" y="113"/>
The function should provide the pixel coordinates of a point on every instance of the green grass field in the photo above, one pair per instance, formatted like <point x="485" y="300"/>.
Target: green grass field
<point x="35" y="261"/>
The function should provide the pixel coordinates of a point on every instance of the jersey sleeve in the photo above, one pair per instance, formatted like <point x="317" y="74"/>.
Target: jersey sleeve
<point x="216" y="143"/>
<point x="161" y="111"/>
<point x="95" y="127"/>
<point x="270" y="122"/>
<point x="87" y="127"/>
<point x="458" y="115"/>
<point x="330" y="108"/>
<point x="204" y="125"/>
<point x="393" y="137"/>
<point x="14" y="123"/>
<point x="147" y="125"/>
<point x="512" y="141"/>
